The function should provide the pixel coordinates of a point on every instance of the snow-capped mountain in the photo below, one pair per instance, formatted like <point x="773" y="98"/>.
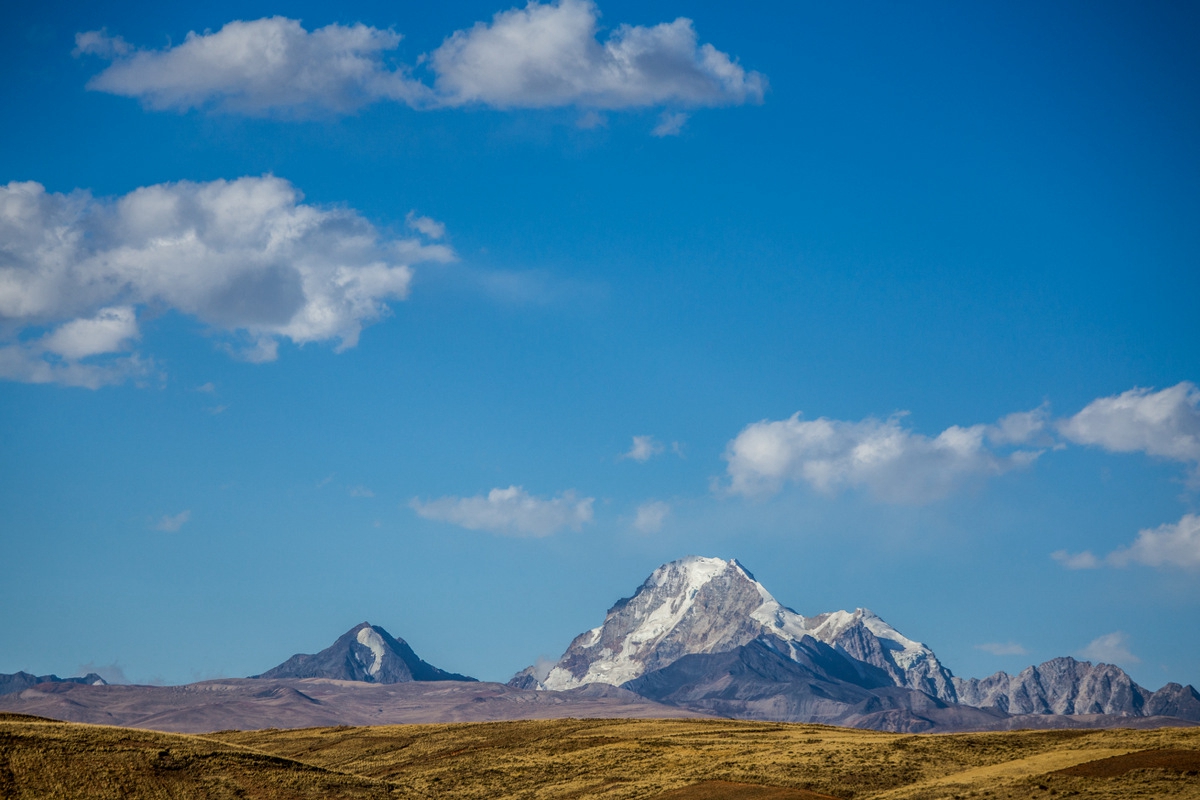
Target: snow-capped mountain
<point x="708" y="605"/>
<point x="367" y="653"/>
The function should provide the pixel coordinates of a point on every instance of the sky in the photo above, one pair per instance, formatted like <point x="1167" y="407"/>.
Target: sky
<point x="462" y="318"/>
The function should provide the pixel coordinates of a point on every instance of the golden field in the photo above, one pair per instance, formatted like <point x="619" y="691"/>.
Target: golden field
<point x="668" y="759"/>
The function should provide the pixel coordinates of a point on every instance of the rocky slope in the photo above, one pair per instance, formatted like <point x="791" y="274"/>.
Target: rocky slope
<point x="1067" y="686"/>
<point x="708" y="605"/>
<point x="364" y="653"/>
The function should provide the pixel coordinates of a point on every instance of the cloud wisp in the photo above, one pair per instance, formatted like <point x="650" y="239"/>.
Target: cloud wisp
<point x="1173" y="545"/>
<point x="544" y="55"/>
<point x="246" y="257"/>
<point x="172" y="523"/>
<point x="651" y="515"/>
<point x="643" y="449"/>
<point x="1002" y="648"/>
<point x="510" y="512"/>
<point x="891" y="462"/>
<point x="1111" y="648"/>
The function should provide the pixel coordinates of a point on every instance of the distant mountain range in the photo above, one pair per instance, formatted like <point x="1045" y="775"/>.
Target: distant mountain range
<point x="19" y="681"/>
<point x="701" y="635"/>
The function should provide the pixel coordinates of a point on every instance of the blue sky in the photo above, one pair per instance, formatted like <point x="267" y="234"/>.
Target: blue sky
<point x="326" y="316"/>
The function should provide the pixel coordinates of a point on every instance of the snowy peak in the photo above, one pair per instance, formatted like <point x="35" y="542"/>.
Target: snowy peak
<point x="700" y="605"/>
<point x="694" y="605"/>
<point x="366" y="653"/>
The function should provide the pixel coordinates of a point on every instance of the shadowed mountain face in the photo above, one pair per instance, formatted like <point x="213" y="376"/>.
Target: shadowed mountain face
<point x="19" y="681"/>
<point x="811" y="683"/>
<point x="364" y="653"/>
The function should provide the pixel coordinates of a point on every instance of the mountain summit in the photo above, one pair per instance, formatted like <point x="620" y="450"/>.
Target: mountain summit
<point x="708" y="605"/>
<point x="367" y="653"/>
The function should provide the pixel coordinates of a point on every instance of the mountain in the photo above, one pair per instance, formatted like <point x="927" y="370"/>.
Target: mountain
<point x="366" y="653"/>
<point x="697" y="606"/>
<point x="1067" y="686"/>
<point x="19" y="681"/>
<point x="812" y="682"/>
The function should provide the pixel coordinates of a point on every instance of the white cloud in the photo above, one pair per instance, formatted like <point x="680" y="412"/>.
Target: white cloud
<point x="361" y="491"/>
<point x="1023" y="427"/>
<point x="511" y="511"/>
<point x="1175" y="544"/>
<point x="1171" y="545"/>
<point x="891" y="462"/>
<point x="670" y="124"/>
<point x="425" y="225"/>
<point x="1164" y="423"/>
<point x="171" y="524"/>
<point x="547" y="55"/>
<point x="207" y="388"/>
<point x="107" y="332"/>
<point x="1085" y="560"/>
<point x="99" y="43"/>
<point x="643" y="449"/>
<point x="1111" y="648"/>
<point x="1002" y="649"/>
<point x="651" y="515"/>
<point x="539" y="56"/>
<point x="246" y="257"/>
<point x="257" y="66"/>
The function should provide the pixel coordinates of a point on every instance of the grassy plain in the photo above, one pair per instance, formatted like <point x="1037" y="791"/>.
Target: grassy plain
<point x="667" y="759"/>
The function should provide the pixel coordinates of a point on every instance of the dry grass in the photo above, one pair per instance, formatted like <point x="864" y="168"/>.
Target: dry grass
<point x="616" y="759"/>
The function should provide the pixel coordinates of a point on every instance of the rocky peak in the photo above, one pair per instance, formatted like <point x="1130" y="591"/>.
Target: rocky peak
<point x="366" y="653"/>
<point x="709" y="605"/>
<point x="1059" y="686"/>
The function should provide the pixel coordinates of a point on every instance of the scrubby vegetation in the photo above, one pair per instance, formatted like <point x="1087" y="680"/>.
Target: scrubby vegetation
<point x="671" y="759"/>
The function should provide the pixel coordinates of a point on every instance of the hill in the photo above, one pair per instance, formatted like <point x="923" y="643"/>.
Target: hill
<point x="617" y="759"/>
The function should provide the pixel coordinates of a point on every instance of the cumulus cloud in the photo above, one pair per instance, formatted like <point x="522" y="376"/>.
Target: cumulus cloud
<point x="539" y="56"/>
<point x="643" y="449"/>
<point x="651" y="515"/>
<point x="890" y="461"/>
<point x="1002" y="649"/>
<point x="1111" y="648"/>
<point x="1171" y="545"/>
<point x="246" y="257"/>
<point x="548" y="55"/>
<point x="1175" y="544"/>
<point x="1164" y="423"/>
<point x="257" y="66"/>
<point x="511" y="511"/>
<point x="171" y="524"/>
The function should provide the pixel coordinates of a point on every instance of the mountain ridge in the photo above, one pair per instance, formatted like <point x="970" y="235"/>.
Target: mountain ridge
<point x="696" y="607"/>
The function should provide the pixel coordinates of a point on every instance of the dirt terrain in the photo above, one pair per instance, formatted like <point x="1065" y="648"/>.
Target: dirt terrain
<point x="603" y="758"/>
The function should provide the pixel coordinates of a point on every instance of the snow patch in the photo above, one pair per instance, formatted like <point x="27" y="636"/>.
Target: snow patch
<point x="368" y="637"/>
